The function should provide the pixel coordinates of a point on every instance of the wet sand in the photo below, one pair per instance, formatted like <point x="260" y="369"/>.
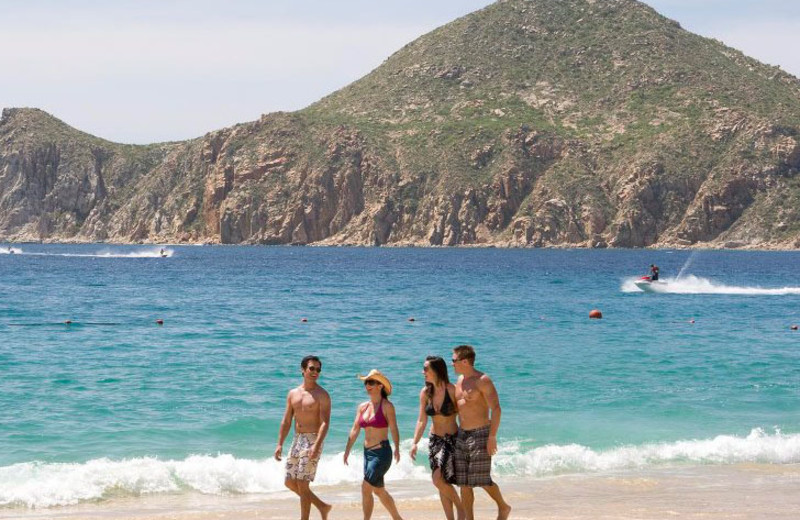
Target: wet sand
<point x="750" y="491"/>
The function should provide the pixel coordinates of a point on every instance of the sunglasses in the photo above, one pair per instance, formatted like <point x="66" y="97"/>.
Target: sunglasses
<point x="314" y="369"/>
<point x="370" y="382"/>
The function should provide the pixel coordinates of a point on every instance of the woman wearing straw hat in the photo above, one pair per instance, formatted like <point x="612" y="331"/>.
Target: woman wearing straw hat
<point x="377" y="417"/>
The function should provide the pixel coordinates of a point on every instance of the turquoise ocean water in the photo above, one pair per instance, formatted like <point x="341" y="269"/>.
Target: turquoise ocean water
<point x="707" y="372"/>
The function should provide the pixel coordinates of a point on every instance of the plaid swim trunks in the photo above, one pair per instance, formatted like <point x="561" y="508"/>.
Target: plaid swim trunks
<point x="299" y="465"/>
<point x="473" y="462"/>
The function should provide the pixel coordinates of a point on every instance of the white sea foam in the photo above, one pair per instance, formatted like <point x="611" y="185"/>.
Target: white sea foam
<point x="141" y="253"/>
<point x="37" y="484"/>
<point x="697" y="285"/>
<point x="757" y="447"/>
<point x="155" y="252"/>
<point x="10" y="251"/>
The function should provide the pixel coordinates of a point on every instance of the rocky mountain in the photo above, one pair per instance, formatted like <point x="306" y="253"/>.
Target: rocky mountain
<point x="587" y="123"/>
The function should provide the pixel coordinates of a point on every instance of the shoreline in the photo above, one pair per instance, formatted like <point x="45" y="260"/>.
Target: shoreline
<point x="705" y="246"/>
<point x="742" y="491"/>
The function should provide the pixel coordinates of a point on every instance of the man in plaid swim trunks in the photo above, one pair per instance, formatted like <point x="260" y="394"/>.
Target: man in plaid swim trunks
<point x="309" y="405"/>
<point x="477" y="433"/>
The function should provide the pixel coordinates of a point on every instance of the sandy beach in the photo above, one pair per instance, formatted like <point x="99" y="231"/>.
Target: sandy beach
<point x="752" y="491"/>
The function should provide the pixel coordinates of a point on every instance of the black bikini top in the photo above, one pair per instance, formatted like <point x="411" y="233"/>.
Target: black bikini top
<point x="447" y="408"/>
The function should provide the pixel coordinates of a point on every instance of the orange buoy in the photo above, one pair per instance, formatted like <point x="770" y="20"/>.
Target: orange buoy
<point x="595" y="314"/>
<point x="159" y="322"/>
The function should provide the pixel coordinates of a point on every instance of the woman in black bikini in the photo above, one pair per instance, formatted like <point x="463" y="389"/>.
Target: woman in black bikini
<point x="437" y="401"/>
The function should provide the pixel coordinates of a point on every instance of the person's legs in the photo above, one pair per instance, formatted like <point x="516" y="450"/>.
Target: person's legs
<point x="324" y="507"/>
<point x="448" y="496"/>
<point x="367" y="502"/>
<point x="305" y="492"/>
<point x="388" y="502"/>
<point x="294" y="486"/>
<point x="478" y="465"/>
<point x="468" y="501"/>
<point x="300" y="471"/>
<point x="480" y="470"/>
<point x="291" y="483"/>
<point x="305" y="499"/>
<point x="503" y="509"/>
<point x="377" y="462"/>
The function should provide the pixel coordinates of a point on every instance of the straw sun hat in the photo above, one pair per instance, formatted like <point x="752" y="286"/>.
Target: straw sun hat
<point x="376" y="375"/>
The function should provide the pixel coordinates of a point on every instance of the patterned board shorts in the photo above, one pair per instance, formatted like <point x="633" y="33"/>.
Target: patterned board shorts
<point x="441" y="455"/>
<point x="299" y="466"/>
<point x="473" y="463"/>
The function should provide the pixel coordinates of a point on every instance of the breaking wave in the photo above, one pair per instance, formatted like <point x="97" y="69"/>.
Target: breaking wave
<point x="37" y="484"/>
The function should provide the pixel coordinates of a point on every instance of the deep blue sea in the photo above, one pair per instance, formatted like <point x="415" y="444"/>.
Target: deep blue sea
<point x="705" y="372"/>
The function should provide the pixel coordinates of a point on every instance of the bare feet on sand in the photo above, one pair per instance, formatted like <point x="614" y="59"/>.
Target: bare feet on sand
<point x="503" y="512"/>
<point x="324" y="510"/>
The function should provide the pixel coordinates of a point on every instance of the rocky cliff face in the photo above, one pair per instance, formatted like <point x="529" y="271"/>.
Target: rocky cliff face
<point x="548" y="123"/>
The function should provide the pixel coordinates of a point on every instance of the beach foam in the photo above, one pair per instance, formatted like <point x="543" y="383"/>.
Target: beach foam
<point x="757" y="447"/>
<point x="36" y="484"/>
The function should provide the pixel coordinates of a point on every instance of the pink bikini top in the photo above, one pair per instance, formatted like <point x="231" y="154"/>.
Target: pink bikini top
<point x="378" y="420"/>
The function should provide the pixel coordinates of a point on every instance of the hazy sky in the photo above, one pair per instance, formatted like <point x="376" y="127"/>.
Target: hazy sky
<point x="141" y="71"/>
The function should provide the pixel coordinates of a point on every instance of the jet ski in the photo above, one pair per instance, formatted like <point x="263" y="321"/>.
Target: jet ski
<point x="647" y="284"/>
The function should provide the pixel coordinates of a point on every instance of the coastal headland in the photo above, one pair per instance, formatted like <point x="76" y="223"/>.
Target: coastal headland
<point x="556" y="123"/>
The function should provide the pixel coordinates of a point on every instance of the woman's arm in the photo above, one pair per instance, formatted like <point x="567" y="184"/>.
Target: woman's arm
<point x="392" y="420"/>
<point x="422" y="421"/>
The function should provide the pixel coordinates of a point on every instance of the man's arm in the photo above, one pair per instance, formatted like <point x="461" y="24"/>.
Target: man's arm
<point x="324" y="423"/>
<point x="286" y="424"/>
<point x="489" y="392"/>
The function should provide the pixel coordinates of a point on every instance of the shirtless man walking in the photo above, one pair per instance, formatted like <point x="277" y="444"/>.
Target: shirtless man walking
<point x="310" y="407"/>
<point x="477" y="433"/>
